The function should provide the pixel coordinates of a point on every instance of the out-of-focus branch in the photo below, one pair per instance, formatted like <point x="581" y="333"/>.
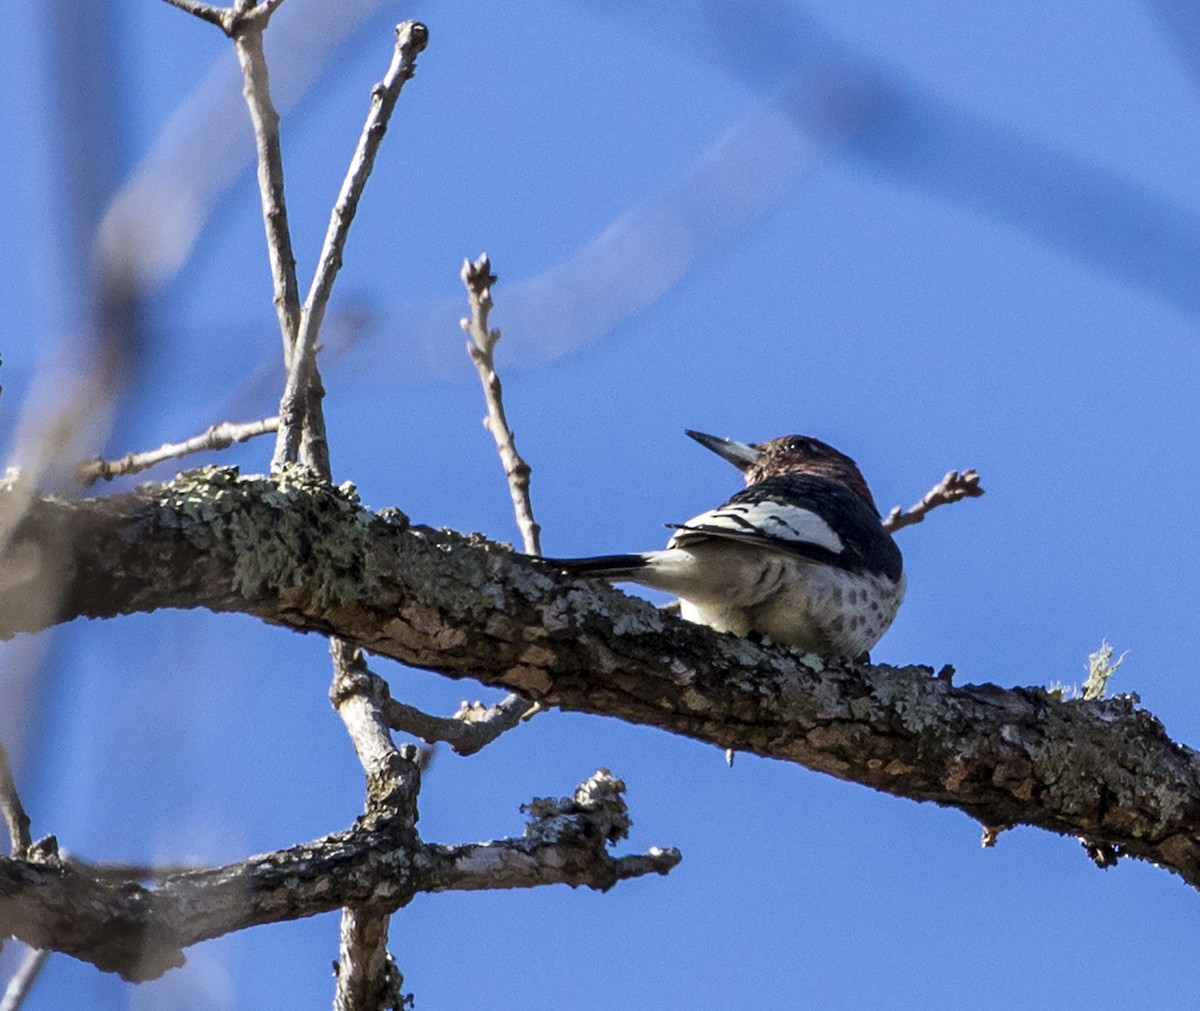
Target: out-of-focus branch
<point x="469" y="730"/>
<point x="211" y="13"/>
<point x="119" y="872"/>
<point x="478" y="278"/>
<point x="297" y="410"/>
<point x="23" y="979"/>
<point x="216" y="437"/>
<point x="14" y="813"/>
<point x="951" y="488"/>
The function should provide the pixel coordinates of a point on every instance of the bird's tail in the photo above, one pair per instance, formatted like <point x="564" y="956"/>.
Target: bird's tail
<point x="616" y="567"/>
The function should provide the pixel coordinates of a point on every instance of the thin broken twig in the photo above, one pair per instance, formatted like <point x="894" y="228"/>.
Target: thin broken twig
<point x="951" y="488"/>
<point x="216" y="437"/>
<point x="478" y="278"/>
<point x="469" y="730"/>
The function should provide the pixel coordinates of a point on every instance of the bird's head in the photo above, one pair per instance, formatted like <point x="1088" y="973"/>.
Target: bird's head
<point x="789" y="454"/>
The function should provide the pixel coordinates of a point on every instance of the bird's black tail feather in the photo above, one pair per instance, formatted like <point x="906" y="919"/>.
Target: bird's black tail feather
<point x="600" y="567"/>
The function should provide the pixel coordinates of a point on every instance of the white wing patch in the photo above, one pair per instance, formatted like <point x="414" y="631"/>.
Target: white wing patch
<point x="762" y="521"/>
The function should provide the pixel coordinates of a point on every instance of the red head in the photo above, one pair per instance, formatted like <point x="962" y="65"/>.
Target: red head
<point x="789" y="454"/>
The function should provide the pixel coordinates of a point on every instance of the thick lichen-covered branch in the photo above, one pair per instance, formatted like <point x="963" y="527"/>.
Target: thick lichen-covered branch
<point x="298" y="553"/>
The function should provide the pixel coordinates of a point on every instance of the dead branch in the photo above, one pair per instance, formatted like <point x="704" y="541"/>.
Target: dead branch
<point x="951" y="488"/>
<point x="469" y="730"/>
<point x="215" y="437"/>
<point x="478" y="278"/>
<point x="141" y="932"/>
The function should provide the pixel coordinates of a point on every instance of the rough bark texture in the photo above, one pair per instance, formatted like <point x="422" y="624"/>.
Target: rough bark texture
<point x="298" y="553"/>
<point x="140" y="932"/>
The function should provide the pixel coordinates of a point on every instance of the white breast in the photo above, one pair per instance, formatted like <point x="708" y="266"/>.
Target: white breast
<point x="786" y="598"/>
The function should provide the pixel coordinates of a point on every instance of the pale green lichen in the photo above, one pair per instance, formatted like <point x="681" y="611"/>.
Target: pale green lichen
<point x="314" y="538"/>
<point x="1101" y="667"/>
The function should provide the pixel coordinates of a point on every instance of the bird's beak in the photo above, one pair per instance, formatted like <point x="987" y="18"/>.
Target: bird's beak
<point x="740" y="454"/>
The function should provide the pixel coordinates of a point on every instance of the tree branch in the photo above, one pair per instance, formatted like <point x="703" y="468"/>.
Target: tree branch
<point x="478" y="279"/>
<point x="298" y="553"/>
<point x="294" y="413"/>
<point x="469" y="730"/>
<point x="951" y="488"/>
<point x="215" y="437"/>
<point x="141" y="932"/>
<point x="367" y="977"/>
<point x="23" y="979"/>
<point x="485" y="726"/>
<point x="256" y="87"/>
<point x="211" y="13"/>
<point x="15" y="817"/>
<point x="244" y="22"/>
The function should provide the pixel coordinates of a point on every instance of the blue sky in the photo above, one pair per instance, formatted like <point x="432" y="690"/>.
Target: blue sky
<point x="935" y="235"/>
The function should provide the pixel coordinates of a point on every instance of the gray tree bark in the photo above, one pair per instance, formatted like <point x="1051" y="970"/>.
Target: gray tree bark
<point x="298" y="553"/>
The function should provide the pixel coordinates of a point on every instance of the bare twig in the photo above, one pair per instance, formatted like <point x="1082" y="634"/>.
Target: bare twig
<point x="581" y="826"/>
<point x="367" y="976"/>
<point x="478" y="278"/>
<point x="469" y="730"/>
<point x="23" y="979"/>
<point x="296" y="410"/>
<point x="216" y="437"/>
<point x="14" y="814"/>
<point x="951" y="488"/>
<point x="256" y="87"/>
<point x="211" y="13"/>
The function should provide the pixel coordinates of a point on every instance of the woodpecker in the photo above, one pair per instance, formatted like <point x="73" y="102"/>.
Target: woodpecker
<point x="799" y="556"/>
